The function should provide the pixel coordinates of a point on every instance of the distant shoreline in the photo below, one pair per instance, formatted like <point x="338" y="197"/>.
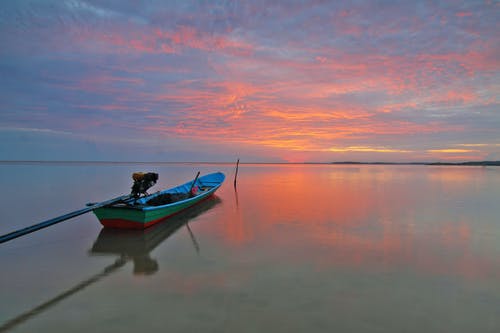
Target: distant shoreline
<point x="468" y="163"/>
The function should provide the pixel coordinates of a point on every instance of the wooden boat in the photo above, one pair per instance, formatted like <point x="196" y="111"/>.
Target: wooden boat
<point x="138" y="245"/>
<point x="151" y="209"/>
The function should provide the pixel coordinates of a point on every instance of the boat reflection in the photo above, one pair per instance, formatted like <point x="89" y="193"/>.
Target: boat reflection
<point x="137" y="245"/>
<point x="132" y="245"/>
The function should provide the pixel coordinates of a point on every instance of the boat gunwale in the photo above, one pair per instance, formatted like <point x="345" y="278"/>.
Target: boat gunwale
<point x="146" y="208"/>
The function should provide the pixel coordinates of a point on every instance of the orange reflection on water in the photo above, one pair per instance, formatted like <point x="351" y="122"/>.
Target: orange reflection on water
<point x="295" y="196"/>
<point x="359" y="217"/>
<point x="235" y="230"/>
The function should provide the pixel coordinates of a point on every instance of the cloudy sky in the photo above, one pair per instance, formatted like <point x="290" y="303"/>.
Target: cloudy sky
<point x="260" y="80"/>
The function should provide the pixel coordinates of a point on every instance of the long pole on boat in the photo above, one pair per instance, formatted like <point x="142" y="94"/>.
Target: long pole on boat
<point x="48" y="223"/>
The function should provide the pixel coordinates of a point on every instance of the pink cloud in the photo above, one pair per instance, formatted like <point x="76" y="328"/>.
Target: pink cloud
<point x="288" y="93"/>
<point x="160" y="41"/>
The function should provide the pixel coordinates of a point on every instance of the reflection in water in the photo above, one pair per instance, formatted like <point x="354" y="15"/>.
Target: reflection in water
<point x="193" y="239"/>
<point x="134" y="245"/>
<point x="363" y="217"/>
<point x="234" y="228"/>
<point x="294" y="248"/>
<point x="137" y="246"/>
<point x="45" y="306"/>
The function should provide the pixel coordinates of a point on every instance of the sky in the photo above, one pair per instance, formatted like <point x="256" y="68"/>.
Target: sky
<point x="263" y="81"/>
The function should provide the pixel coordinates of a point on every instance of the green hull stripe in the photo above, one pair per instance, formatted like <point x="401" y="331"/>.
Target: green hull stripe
<point x="144" y="216"/>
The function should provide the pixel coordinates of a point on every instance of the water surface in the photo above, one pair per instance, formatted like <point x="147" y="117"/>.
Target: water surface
<point x="296" y="248"/>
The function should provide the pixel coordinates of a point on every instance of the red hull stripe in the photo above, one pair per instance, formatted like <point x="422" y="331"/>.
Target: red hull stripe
<point x="126" y="224"/>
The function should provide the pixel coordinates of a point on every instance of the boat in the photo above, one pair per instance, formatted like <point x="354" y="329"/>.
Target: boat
<point x="138" y="245"/>
<point x="143" y="212"/>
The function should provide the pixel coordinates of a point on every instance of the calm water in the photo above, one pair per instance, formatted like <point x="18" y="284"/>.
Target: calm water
<point x="298" y="248"/>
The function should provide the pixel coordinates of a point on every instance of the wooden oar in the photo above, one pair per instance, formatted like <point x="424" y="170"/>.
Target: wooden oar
<point x="35" y="227"/>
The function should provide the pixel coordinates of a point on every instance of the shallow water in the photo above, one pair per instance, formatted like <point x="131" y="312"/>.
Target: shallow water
<point x="297" y="248"/>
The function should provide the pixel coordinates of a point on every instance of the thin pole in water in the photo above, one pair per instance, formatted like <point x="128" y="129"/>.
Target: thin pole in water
<point x="236" y="173"/>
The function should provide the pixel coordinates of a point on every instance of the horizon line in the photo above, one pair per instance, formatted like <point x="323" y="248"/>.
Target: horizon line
<point x="478" y="162"/>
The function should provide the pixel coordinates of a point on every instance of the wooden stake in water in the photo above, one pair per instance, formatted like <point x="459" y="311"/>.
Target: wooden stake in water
<point x="236" y="173"/>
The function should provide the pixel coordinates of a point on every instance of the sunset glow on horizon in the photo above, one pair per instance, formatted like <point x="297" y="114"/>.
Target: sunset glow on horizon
<point x="291" y="81"/>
